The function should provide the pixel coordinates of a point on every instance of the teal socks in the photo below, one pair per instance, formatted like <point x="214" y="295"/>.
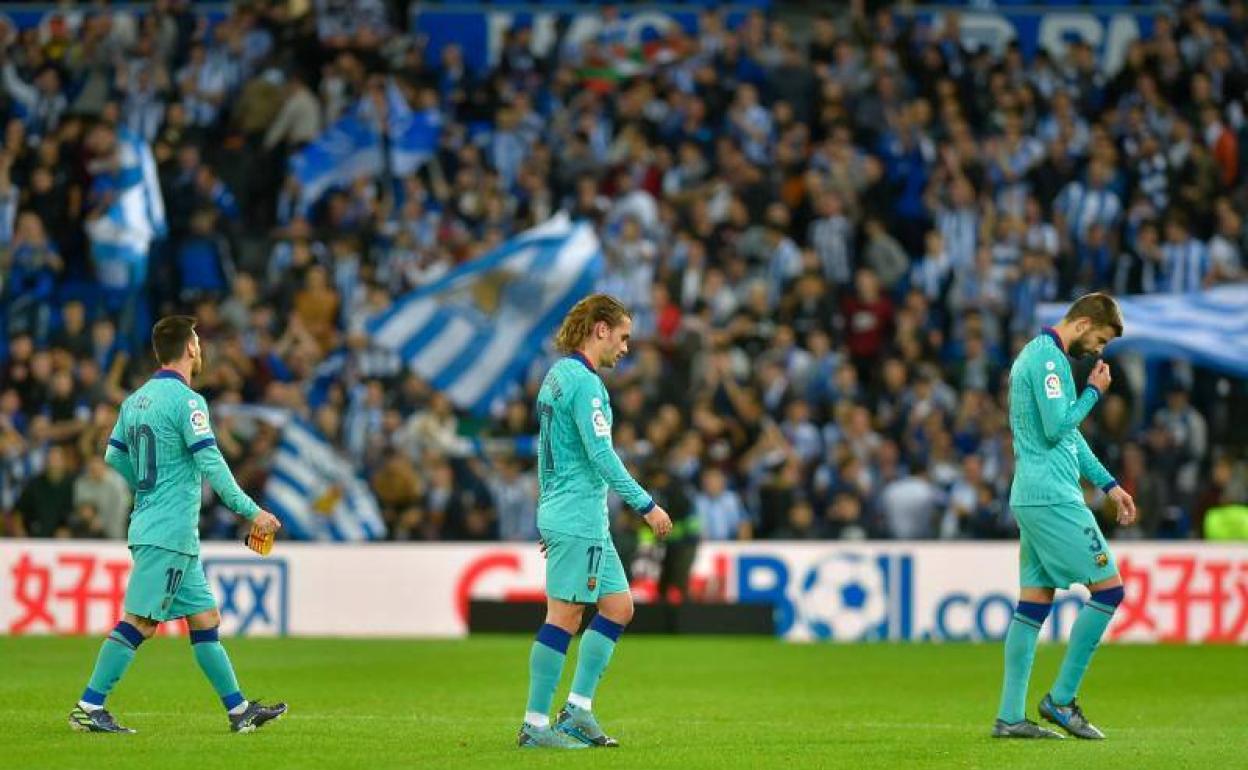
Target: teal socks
<point x="1085" y="636"/>
<point x="1020" y="653"/>
<point x="550" y="649"/>
<point x="545" y="666"/>
<point x="115" y="656"/>
<point x="215" y="664"/>
<point x="597" y="645"/>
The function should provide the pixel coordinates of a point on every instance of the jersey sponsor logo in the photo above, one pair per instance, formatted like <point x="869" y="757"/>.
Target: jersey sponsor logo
<point x="199" y="423"/>
<point x="1053" y="386"/>
<point x="601" y="426"/>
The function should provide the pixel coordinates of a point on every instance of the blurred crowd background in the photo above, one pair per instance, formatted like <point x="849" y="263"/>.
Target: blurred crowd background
<point x="834" y="235"/>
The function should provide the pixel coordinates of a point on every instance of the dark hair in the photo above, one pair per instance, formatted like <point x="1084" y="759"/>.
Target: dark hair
<point x="170" y="335"/>
<point x="1100" y="309"/>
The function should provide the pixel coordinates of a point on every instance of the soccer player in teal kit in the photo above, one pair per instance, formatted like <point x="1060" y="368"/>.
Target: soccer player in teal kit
<point x="576" y="466"/>
<point x="163" y="446"/>
<point x="1060" y="542"/>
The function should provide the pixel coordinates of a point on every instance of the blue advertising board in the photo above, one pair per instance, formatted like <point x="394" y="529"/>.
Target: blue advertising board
<point x="1108" y="30"/>
<point x="480" y="30"/>
<point x="480" y="33"/>
<point x="28" y="15"/>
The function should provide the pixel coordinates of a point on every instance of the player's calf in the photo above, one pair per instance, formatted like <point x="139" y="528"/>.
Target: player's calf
<point x="1020" y="652"/>
<point x="1059" y="705"/>
<point x="245" y="716"/>
<point x="116" y="653"/>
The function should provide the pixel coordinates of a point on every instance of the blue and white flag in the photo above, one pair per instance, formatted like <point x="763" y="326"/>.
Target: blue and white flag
<point x="330" y="370"/>
<point x="352" y="147"/>
<point x="1208" y="328"/>
<point x="348" y="150"/>
<point x="313" y="489"/>
<point x="473" y="332"/>
<point x="413" y="135"/>
<point x="413" y="140"/>
<point x="120" y="239"/>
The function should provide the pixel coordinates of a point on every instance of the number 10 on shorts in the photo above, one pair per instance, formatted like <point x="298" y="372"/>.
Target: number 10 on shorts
<point x="594" y="554"/>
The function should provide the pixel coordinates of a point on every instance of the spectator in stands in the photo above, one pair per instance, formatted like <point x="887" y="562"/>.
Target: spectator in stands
<point x="203" y="259"/>
<point x="101" y="488"/>
<point x="514" y="492"/>
<point x="1185" y="258"/>
<point x="32" y="266"/>
<point x="910" y="505"/>
<point x="1189" y="434"/>
<point x="47" y="501"/>
<point x="721" y="514"/>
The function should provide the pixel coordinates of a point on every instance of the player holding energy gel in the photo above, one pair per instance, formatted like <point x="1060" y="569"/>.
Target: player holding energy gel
<point x="163" y="446"/>
<point x="1060" y="542"/>
<point x="576" y="465"/>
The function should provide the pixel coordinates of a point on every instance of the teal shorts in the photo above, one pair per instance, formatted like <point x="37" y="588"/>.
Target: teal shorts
<point x="166" y="585"/>
<point x="580" y="569"/>
<point x="1061" y="544"/>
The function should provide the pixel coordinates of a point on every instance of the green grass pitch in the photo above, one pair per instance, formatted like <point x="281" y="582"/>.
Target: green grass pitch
<point x="682" y="703"/>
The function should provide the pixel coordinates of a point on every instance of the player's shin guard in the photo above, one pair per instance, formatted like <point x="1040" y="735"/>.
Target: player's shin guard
<point x="597" y="644"/>
<point x="115" y="656"/>
<point x="1084" y="637"/>
<point x="1020" y="652"/>
<point x="215" y="664"/>
<point x="545" y="665"/>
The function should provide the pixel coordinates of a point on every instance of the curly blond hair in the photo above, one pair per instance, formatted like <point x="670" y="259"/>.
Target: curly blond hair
<point x="580" y="320"/>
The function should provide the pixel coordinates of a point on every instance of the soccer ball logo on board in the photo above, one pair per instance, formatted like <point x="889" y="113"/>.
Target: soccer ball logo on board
<point x="843" y="597"/>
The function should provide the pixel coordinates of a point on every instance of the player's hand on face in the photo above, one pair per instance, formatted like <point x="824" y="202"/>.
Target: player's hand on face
<point x="659" y="522"/>
<point x="1100" y="376"/>
<point x="266" y="522"/>
<point x="1126" y="506"/>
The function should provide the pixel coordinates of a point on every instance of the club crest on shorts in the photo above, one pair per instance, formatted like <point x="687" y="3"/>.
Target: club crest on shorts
<point x="592" y="583"/>
<point x="1101" y="559"/>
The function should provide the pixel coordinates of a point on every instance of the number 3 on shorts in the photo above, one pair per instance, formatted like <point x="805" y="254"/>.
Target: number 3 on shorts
<point x="1096" y="540"/>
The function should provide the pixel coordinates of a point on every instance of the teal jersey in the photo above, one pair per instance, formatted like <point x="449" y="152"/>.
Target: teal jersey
<point x="164" y="446"/>
<point x="576" y="460"/>
<point x="1050" y="453"/>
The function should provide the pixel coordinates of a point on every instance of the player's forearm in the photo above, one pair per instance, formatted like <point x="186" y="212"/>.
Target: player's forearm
<point x="117" y="459"/>
<point x="214" y="467"/>
<point x="620" y="480"/>
<point x="1057" y="423"/>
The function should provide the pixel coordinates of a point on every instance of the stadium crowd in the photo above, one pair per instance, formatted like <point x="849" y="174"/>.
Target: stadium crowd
<point x="834" y="244"/>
